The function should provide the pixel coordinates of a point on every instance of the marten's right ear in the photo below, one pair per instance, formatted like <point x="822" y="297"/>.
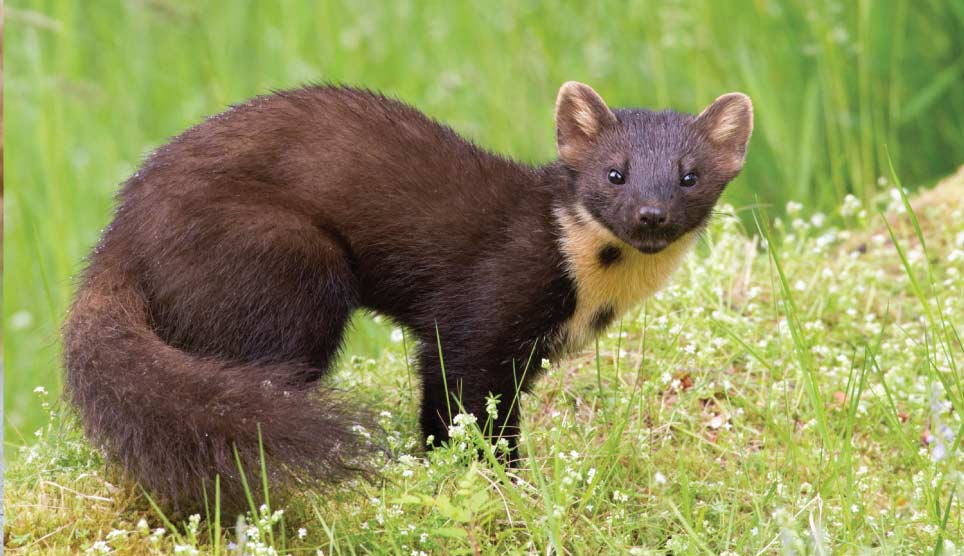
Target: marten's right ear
<point x="581" y="114"/>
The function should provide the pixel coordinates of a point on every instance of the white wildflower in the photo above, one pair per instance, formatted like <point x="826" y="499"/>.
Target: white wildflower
<point x="157" y="534"/>
<point x="464" y="419"/>
<point x="20" y="320"/>
<point x="193" y="522"/>
<point x="851" y="206"/>
<point x="491" y="407"/>
<point x="99" y="547"/>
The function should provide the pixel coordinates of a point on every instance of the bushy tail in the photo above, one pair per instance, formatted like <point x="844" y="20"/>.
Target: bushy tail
<point x="172" y="419"/>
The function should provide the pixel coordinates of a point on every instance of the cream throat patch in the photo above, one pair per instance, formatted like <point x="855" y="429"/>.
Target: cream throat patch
<point x="610" y="276"/>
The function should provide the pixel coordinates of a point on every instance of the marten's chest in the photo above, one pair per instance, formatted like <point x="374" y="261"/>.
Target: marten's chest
<point x="610" y="276"/>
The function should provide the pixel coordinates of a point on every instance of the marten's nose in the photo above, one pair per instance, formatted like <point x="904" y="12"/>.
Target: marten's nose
<point x="652" y="218"/>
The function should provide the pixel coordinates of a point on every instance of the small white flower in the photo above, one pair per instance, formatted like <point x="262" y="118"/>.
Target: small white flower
<point x="851" y="206"/>
<point x="193" y="522"/>
<point x="20" y="320"/>
<point x="302" y="532"/>
<point x="793" y="207"/>
<point x="397" y="335"/>
<point x="459" y="424"/>
<point x="40" y="390"/>
<point x="492" y="407"/>
<point x="464" y="419"/>
<point x="157" y="534"/>
<point x="659" y="478"/>
<point x="99" y="547"/>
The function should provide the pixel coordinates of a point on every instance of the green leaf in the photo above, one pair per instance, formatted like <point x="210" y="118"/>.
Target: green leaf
<point x="478" y="500"/>
<point x="412" y="499"/>
<point x="451" y="532"/>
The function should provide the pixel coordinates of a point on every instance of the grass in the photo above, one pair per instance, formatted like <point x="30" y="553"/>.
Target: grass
<point x="772" y="393"/>
<point x="797" y="390"/>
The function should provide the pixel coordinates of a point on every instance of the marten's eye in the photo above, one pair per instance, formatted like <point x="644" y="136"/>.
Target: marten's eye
<point x="689" y="180"/>
<point x="616" y="177"/>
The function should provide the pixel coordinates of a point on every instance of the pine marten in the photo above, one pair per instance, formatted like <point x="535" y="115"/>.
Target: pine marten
<point x="220" y="293"/>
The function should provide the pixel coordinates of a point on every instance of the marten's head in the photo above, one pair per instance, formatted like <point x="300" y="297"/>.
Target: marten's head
<point x="650" y="177"/>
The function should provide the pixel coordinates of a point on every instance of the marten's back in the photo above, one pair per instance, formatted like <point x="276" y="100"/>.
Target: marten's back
<point x="409" y="202"/>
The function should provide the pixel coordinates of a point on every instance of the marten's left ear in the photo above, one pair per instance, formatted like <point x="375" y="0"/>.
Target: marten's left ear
<point x="581" y="114"/>
<point x="727" y="124"/>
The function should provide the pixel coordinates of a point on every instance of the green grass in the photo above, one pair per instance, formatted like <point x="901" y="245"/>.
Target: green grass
<point x="800" y="398"/>
<point x="802" y="381"/>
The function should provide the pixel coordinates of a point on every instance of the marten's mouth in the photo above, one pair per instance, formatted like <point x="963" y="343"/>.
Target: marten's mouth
<point x="650" y="246"/>
<point x="651" y="243"/>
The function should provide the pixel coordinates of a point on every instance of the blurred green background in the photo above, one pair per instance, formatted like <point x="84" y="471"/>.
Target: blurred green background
<point x="94" y="86"/>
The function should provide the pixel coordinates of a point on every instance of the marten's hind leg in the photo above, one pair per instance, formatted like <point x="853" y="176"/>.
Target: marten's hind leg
<point x="281" y="293"/>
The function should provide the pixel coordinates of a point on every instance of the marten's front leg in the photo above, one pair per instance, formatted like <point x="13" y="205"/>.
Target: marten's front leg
<point x="469" y="387"/>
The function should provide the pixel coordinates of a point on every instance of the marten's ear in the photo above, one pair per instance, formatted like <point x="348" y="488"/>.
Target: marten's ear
<point x="727" y="124"/>
<point x="581" y="114"/>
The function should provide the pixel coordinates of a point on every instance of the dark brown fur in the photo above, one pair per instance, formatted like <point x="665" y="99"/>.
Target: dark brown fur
<point x="220" y="292"/>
